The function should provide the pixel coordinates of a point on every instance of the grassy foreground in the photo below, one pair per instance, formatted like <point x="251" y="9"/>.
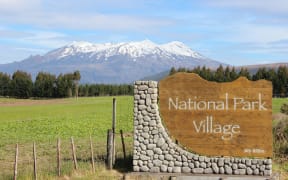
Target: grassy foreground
<point x="43" y="121"/>
<point x="277" y="103"/>
<point x="24" y="121"/>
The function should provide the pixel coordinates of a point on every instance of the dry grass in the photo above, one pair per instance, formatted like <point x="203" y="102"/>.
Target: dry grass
<point x="281" y="168"/>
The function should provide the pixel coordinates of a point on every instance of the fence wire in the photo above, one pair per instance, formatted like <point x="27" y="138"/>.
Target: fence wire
<point x="46" y="156"/>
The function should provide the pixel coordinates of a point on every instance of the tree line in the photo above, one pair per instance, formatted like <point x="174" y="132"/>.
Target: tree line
<point x="46" y="85"/>
<point x="278" y="77"/>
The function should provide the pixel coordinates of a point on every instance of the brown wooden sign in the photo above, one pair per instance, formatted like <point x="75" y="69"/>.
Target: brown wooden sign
<point x="219" y="119"/>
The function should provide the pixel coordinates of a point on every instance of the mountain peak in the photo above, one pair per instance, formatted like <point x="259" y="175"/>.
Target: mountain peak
<point x="177" y="43"/>
<point x="180" y="48"/>
<point x="122" y="62"/>
<point x="133" y="49"/>
<point x="80" y="44"/>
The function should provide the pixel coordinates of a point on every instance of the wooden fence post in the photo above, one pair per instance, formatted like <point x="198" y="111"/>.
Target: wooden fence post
<point x="92" y="155"/>
<point x="110" y="149"/>
<point x="107" y="144"/>
<point x="74" y="154"/>
<point x="58" y="157"/>
<point x="113" y="130"/>
<point x="35" y="161"/>
<point x="16" y="162"/>
<point x="123" y="144"/>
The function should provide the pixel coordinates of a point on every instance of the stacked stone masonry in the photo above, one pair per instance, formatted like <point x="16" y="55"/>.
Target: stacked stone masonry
<point x="155" y="152"/>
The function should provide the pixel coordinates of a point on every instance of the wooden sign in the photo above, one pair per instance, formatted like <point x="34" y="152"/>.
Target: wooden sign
<point x="219" y="119"/>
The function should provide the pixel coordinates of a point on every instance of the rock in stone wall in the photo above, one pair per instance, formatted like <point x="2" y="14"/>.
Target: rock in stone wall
<point x="154" y="151"/>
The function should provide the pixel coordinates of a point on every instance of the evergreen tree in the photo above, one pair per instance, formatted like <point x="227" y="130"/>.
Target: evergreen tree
<point x="4" y="84"/>
<point x="227" y="74"/>
<point x="64" y="85"/>
<point x="219" y="75"/>
<point x="196" y="70"/>
<point x="182" y="69"/>
<point x="21" y="85"/>
<point x="233" y="74"/>
<point x="44" y="85"/>
<point x="244" y="72"/>
<point x="282" y="81"/>
<point x="76" y="79"/>
<point x="172" y="71"/>
<point x="260" y="74"/>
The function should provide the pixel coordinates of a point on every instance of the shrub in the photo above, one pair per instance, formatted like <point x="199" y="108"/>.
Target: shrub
<point x="280" y="135"/>
<point x="284" y="108"/>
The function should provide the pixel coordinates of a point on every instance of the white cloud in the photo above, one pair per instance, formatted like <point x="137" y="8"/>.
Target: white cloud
<point x="46" y="39"/>
<point x="259" y="33"/>
<point x="30" y="50"/>
<point x="14" y="6"/>
<point x="276" y="6"/>
<point x="104" y="22"/>
<point x="9" y="53"/>
<point x="83" y="15"/>
<point x="86" y="21"/>
<point x="47" y="24"/>
<point x="25" y="44"/>
<point x="8" y="33"/>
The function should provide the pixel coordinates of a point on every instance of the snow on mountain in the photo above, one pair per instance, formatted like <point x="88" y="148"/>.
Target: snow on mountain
<point x="113" y="62"/>
<point x="132" y="49"/>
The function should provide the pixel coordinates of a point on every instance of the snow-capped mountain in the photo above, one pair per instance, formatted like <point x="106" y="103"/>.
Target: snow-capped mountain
<point x="132" y="49"/>
<point x="112" y="62"/>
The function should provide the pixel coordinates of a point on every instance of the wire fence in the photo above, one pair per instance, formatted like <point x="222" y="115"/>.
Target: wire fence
<point x="46" y="157"/>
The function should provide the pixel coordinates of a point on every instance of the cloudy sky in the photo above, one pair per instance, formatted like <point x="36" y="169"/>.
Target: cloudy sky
<point x="235" y="32"/>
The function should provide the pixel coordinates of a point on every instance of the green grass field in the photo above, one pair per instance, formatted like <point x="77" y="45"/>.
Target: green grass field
<point x="276" y="104"/>
<point x="37" y="121"/>
<point x="43" y="121"/>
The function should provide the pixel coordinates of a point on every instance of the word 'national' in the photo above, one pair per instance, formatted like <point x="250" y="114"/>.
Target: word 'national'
<point x="218" y="105"/>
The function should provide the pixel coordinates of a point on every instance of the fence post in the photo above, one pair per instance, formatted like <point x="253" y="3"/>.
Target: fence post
<point x="123" y="144"/>
<point x="113" y="130"/>
<point x="92" y="155"/>
<point x="74" y="154"/>
<point x="35" y="161"/>
<point x="107" y="144"/>
<point x="16" y="162"/>
<point x="110" y="149"/>
<point x="58" y="157"/>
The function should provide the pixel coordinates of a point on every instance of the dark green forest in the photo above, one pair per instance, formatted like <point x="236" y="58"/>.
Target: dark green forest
<point x="278" y="77"/>
<point x="46" y="85"/>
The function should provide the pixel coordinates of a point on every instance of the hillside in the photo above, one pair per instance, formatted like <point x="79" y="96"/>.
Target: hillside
<point x="253" y="68"/>
<point x="112" y="62"/>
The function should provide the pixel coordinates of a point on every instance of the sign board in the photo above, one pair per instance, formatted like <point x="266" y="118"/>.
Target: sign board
<point x="219" y="119"/>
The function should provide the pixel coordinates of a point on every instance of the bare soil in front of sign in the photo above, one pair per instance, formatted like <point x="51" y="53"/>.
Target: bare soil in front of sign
<point x="279" y="116"/>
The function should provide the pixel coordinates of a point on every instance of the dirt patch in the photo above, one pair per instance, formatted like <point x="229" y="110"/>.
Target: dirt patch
<point x="31" y="102"/>
<point x="279" y="116"/>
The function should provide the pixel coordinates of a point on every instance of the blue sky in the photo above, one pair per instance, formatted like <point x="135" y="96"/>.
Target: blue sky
<point x="234" y="32"/>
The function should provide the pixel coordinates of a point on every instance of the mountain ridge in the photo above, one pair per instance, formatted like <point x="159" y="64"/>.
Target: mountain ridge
<point x="251" y="68"/>
<point x="123" y="62"/>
